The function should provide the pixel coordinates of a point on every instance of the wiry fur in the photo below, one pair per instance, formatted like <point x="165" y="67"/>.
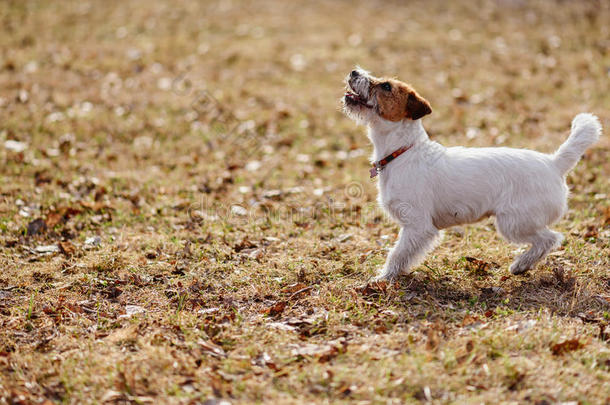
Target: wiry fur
<point x="430" y="187"/>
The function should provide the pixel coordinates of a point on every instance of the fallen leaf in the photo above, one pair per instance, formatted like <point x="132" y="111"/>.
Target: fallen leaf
<point x="42" y="177"/>
<point x="244" y="244"/>
<point x="380" y="327"/>
<point x="471" y="321"/>
<point x="275" y="309"/>
<point x="479" y="267"/>
<point x="293" y="288"/>
<point x="374" y="288"/>
<point x="299" y="292"/>
<point x="591" y="232"/>
<point x="67" y="248"/>
<point x="36" y="227"/>
<point x="53" y="218"/>
<point x="60" y="215"/>
<point x="566" y="346"/>
<point x="112" y="292"/>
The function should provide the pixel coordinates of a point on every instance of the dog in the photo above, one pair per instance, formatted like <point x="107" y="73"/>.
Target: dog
<point x="426" y="187"/>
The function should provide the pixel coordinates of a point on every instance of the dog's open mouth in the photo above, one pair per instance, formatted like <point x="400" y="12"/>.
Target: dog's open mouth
<point x="354" y="98"/>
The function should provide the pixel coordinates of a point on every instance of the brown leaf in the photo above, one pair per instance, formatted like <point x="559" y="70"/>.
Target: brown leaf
<point x="112" y="292"/>
<point x="299" y="292"/>
<point x="374" y="288"/>
<point x="60" y="215"/>
<point x="380" y="327"/>
<point x="53" y="218"/>
<point x="67" y="248"/>
<point x="244" y="244"/>
<point x="99" y="193"/>
<point x="566" y="346"/>
<point x="479" y="267"/>
<point x="591" y="232"/>
<point x="42" y="177"/>
<point x="293" y="288"/>
<point x="275" y="309"/>
<point x="470" y="320"/>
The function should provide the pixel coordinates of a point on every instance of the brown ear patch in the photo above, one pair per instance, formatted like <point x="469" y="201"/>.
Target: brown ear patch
<point x="401" y="102"/>
<point x="417" y="106"/>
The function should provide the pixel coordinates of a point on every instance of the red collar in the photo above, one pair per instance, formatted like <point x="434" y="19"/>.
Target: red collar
<point x="379" y="165"/>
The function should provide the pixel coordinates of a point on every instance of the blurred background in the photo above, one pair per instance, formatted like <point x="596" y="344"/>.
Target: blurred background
<point x="136" y="78"/>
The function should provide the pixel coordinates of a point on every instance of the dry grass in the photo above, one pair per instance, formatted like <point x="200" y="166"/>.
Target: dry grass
<point x="145" y="121"/>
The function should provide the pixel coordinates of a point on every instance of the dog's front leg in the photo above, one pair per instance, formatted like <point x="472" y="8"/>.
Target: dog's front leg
<point x="412" y="245"/>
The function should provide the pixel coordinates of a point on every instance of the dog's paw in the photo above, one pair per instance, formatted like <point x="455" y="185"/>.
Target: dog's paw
<point x="386" y="275"/>
<point x="518" y="268"/>
<point x="382" y="275"/>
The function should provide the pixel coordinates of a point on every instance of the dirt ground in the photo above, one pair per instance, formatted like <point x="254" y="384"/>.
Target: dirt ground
<point x="186" y="215"/>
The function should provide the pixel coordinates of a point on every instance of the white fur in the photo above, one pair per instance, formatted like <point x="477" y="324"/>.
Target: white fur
<point x="430" y="187"/>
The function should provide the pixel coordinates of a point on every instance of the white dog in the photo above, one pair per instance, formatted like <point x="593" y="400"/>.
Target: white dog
<point x="426" y="187"/>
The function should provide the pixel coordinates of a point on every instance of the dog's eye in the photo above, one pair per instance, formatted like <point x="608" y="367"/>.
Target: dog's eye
<point x="386" y="86"/>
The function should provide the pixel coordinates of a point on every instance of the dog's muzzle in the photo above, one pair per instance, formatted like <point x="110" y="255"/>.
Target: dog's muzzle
<point x="357" y="90"/>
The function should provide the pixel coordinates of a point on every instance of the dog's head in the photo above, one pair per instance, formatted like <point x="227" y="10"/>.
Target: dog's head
<point x="368" y="98"/>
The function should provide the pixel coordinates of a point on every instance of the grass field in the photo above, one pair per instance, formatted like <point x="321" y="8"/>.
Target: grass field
<point x="186" y="215"/>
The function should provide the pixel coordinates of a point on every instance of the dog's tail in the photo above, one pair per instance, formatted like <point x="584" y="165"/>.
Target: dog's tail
<point x="586" y="130"/>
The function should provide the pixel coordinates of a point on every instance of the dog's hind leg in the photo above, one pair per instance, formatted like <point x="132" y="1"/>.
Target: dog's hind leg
<point x="542" y="242"/>
<point x="542" y="239"/>
<point x="412" y="245"/>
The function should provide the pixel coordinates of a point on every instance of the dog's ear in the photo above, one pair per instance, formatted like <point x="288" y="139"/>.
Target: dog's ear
<point x="417" y="106"/>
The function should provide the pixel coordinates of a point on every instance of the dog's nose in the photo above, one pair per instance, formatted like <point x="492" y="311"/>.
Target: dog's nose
<point x="354" y="73"/>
